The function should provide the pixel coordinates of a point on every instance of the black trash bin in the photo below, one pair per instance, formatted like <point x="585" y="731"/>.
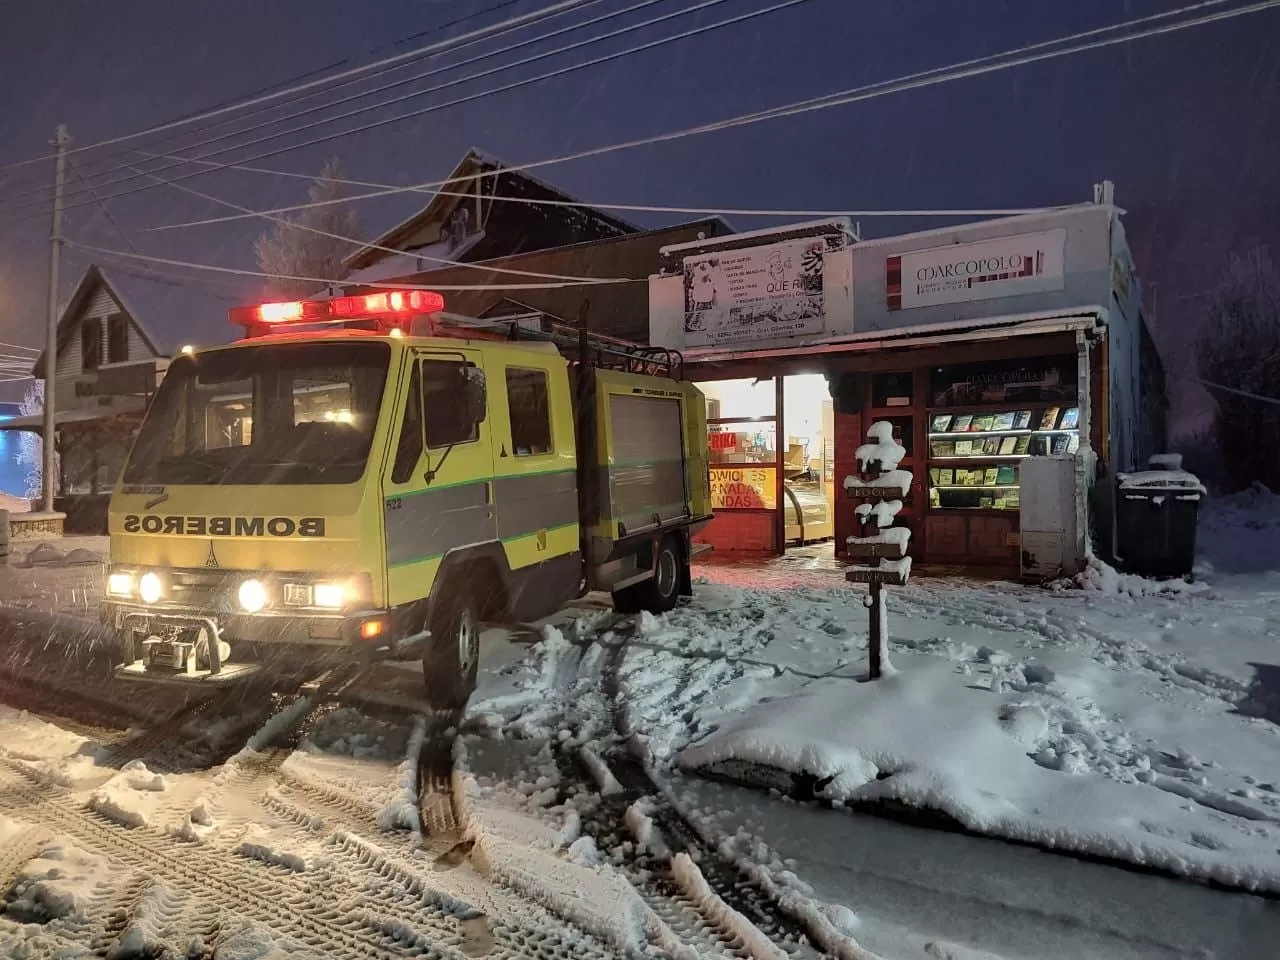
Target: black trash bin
<point x="1155" y="519"/>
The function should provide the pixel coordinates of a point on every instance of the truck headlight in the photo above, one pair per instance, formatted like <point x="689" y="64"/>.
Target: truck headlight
<point x="327" y="594"/>
<point x="150" y="588"/>
<point x="120" y="584"/>
<point x="332" y="596"/>
<point x="253" y="596"/>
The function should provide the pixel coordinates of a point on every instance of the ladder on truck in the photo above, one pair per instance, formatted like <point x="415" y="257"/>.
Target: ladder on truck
<point x="576" y="342"/>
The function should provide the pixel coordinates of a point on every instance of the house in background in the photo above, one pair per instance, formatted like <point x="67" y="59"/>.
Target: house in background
<point x="484" y="210"/>
<point x="115" y="337"/>
<point x="510" y="235"/>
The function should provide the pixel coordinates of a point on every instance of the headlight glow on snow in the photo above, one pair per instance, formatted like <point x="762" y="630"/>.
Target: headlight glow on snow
<point x="150" y="588"/>
<point x="120" y="584"/>
<point x="253" y="596"/>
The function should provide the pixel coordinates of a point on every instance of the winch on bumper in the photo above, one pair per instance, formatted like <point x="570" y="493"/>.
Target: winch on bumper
<point x="187" y="646"/>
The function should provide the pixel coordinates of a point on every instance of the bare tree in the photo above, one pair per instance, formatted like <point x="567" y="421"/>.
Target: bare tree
<point x="1239" y="347"/>
<point x="31" y="448"/>
<point x="308" y="244"/>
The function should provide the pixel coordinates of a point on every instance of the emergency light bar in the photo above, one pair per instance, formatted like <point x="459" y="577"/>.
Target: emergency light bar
<point x="385" y="305"/>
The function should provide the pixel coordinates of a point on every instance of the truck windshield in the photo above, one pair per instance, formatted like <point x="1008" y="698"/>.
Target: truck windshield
<point x="270" y="414"/>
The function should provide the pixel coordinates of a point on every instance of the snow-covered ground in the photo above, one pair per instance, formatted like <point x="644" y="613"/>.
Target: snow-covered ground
<point x="1133" y="721"/>
<point x="1128" y="720"/>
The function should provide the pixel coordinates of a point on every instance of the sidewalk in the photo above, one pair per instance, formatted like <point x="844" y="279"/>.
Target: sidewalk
<point x="63" y="576"/>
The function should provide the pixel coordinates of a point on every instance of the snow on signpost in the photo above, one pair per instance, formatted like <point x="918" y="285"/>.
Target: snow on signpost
<point x="880" y="546"/>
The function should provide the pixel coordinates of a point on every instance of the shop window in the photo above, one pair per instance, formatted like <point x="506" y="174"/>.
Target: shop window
<point x="530" y="412"/>
<point x="891" y="390"/>
<point x="1004" y="382"/>
<point x="90" y="344"/>
<point x="985" y="419"/>
<point x="117" y="338"/>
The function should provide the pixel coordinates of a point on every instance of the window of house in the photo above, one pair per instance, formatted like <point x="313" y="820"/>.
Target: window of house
<point x="117" y="338"/>
<point x="527" y="402"/>
<point x="409" y="447"/>
<point x="443" y="409"/>
<point x="90" y="344"/>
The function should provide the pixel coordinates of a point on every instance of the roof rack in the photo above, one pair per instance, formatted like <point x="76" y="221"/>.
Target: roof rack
<point x="576" y="343"/>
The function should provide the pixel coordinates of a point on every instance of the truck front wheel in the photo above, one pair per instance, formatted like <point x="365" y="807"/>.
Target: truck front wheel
<point x="660" y="592"/>
<point x="453" y="654"/>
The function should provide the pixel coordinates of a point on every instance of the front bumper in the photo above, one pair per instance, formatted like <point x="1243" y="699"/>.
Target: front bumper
<point x="268" y="629"/>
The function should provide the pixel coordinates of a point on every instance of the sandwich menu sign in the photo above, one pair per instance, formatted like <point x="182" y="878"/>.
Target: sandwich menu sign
<point x="756" y="293"/>
<point x="986" y="270"/>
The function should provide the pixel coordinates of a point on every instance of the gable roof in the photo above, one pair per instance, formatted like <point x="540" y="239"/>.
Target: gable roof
<point x="473" y="163"/>
<point x="165" y="312"/>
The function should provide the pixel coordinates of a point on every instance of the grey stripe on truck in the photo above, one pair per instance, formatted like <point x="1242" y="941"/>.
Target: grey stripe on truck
<point x="426" y="524"/>
<point x="536" y="502"/>
<point x="431" y="522"/>
<point x="633" y="493"/>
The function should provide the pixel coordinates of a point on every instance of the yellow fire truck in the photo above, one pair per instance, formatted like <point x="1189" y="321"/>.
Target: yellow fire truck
<point x="369" y="477"/>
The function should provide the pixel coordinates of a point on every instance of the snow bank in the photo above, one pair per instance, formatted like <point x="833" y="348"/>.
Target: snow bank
<point x="694" y="884"/>
<point x="58" y="883"/>
<point x="274" y="846"/>
<point x="520" y="850"/>
<point x="932" y="739"/>
<point x="131" y="797"/>
<point x="1101" y="577"/>
<point x="402" y="812"/>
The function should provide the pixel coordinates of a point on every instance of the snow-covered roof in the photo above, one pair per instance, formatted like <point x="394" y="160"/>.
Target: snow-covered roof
<point x="475" y="161"/>
<point x="1048" y="321"/>
<point x="167" y="311"/>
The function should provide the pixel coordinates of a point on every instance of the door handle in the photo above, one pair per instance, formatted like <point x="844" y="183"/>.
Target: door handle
<point x="488" y="491"/>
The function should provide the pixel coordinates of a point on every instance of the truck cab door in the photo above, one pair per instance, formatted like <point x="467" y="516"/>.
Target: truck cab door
<point x="438" y="488"/>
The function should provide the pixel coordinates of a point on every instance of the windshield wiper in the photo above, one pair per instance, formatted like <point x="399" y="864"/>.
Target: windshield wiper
<point x="211" y="465"/>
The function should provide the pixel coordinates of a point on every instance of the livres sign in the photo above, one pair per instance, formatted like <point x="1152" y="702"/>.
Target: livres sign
<point x="744" y="488"/>
<point x="1003" y="267"/>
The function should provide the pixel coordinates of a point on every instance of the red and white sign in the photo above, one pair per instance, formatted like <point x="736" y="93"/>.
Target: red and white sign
<point x="1004" y="267"/>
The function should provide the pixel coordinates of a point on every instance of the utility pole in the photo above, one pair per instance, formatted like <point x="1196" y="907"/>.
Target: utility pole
<point x="49" y="477"/>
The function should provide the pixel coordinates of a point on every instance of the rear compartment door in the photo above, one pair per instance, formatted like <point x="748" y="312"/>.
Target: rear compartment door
<point x="438" y="487"/>
<point x="647" y="476"/>
<point x="536" y="485"/>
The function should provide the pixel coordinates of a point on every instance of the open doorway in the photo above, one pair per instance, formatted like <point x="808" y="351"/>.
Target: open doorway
<point x="771" y="453"/>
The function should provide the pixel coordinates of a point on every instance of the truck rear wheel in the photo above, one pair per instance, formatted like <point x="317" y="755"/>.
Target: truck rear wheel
<point x="453" y="654"/>
<point x="659" y="593"/>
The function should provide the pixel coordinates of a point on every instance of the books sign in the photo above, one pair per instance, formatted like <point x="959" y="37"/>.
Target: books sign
<point x="1004" y="267"/>
<point x="755" y="293"/>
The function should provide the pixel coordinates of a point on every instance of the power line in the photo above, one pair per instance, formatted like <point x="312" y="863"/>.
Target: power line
<point x="367" y="93"/>
<point x="939" y="75"/>
<point x="625" y="207"/>
<point x="309" y="85"/>
<point x="1224" y="389"/>
<point x="319" y="281"/>
<point x="399" y="253"/>
<point x="102" y="206"/>
<point x="562" y="71"/>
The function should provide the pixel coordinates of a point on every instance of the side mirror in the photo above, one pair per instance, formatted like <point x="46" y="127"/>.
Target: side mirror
<point x="474" y="394"/>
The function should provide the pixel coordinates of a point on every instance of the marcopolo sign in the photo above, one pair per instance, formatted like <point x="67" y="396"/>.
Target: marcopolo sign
<point x="1003" y="267"/>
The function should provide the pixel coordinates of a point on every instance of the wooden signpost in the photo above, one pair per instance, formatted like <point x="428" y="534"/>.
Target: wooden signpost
<point x="880" y="547"/>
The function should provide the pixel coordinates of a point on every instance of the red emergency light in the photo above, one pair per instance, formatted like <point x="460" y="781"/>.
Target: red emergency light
<point x="386" y="306"/>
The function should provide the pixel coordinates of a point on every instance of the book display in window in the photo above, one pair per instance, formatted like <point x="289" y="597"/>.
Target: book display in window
<point x="992" y="443"/>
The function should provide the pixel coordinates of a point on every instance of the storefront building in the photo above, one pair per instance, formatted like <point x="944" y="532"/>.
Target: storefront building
<point x="1010" y="356"/>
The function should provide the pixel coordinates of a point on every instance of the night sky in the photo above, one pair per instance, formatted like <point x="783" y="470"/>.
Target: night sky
<point x="1187" y="125"/>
